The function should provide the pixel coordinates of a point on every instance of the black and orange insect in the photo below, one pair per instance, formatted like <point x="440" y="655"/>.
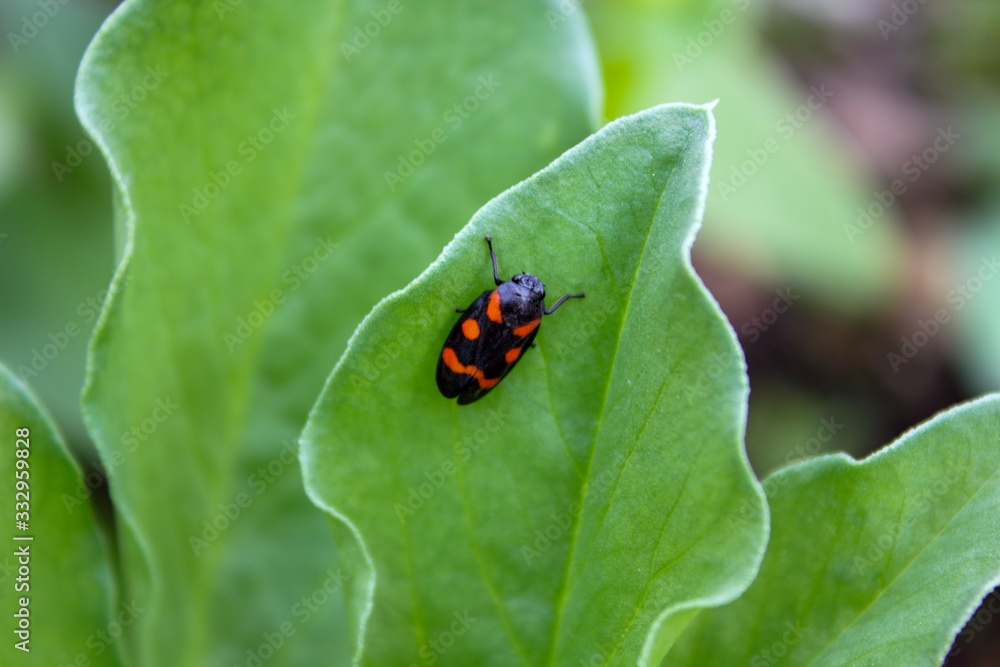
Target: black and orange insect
<point x="492" y="334"/>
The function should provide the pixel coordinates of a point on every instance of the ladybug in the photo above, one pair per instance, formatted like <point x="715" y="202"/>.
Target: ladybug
<point x="492" y="334"/>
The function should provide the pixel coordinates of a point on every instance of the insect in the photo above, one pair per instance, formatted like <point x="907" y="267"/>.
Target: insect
<point x="492" y="334"/>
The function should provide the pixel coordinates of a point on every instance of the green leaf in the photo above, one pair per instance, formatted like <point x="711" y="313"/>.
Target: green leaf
<point x="250" y="143"/>
<point x="873" y="562"/>
<point x="631" y="409"/>
<point x="67" y="584"/>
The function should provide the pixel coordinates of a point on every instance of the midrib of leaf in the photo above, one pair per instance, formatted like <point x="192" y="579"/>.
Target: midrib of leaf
<point x="565" y="587"/>
<point x="477" y="554"/>
<point x="559" y="430"/>
<point x="418" y="619"/>
<point x="916" y="556"/>
<point x="899" y="523"/>
<point x="676" y="559"/>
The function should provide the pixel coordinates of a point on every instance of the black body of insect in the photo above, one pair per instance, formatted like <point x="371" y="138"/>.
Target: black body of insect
<point x="492" y="334"/>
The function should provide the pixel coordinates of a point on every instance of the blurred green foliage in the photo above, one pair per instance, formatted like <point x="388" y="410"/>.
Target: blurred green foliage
<point x="782" y="183"/>
<point x="55" y="208"/>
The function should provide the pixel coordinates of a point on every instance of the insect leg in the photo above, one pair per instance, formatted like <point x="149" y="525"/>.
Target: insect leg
<point x="493" y="256"/>
<point x="551" y="310"/>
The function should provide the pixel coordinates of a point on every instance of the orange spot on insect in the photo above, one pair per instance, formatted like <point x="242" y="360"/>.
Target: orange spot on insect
<point x="512" y="354"/>
<point x="452" y="362"/>
<point x="486" y="383"/>
<point x="493" y="309"/>
<point x="526" y="329"/>
<point x="471" y="329"/>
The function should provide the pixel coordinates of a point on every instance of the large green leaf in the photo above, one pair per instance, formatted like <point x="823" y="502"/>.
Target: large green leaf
<point x="58" y="581"/>
<point x="250" y="144"/>
<point x="631" y="409"/>
<point x="874" y="562"/>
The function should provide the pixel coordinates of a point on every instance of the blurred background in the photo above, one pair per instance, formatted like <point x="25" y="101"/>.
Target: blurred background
<point x="851" y="234"/>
